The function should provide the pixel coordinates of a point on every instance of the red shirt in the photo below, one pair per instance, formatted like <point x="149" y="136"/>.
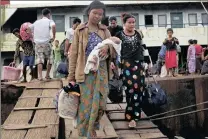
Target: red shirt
<point x="198" y="49"/>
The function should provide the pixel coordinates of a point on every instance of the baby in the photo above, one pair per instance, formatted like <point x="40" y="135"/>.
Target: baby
<point x="93" y="59"/>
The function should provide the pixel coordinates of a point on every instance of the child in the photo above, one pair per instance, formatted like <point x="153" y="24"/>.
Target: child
<point x="57" y="60"/>
<point x="161" y="59"/>
<point x="170" y="56"/>
<point x="191" y="57"/>
<point x="93" y="59"/>
<point x="29" y="53"/>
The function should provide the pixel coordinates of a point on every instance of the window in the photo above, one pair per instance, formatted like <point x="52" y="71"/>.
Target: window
<point x="71" y="19"/>
<point x="192" y="19"/>
<point x="148" y="20"/>
<point x="136" y="15"/>
<point x="85" y="18"/>
<point x="162" y="20"/>
<point x="60" y="22"/>
<point x="204" y="17"/>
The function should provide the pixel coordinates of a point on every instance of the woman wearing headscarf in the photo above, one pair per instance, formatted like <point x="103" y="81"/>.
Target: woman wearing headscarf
<point x="93" y="86"/>
<point x="132" y="70"/>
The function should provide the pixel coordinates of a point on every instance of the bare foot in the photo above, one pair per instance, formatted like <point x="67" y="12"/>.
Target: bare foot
<point x="132" y="124"/>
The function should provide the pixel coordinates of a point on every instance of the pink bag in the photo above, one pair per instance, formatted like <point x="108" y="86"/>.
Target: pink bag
<point x="25" y="35"/>
<point x="11" y="73"/>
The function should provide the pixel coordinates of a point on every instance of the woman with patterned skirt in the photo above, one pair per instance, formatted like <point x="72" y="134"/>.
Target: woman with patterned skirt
<point x="131" y="64"/>
<point x="93" y="86"/>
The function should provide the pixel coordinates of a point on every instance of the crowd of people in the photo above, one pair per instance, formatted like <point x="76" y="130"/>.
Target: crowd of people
<point x="81" y="40"/>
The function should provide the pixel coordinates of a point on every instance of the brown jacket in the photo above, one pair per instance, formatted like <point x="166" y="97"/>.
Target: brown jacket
<point x="77" y="57"/>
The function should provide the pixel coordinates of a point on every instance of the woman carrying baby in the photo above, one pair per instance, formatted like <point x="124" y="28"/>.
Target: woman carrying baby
<point x="93" y="86"/>
<point x="132" y="69"/>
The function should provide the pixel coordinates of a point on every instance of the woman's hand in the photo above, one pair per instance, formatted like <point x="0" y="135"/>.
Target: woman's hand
<point x="112" y="66"/>
<point x="103" y="51"/>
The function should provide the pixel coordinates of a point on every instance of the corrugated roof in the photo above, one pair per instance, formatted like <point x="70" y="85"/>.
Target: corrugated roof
<point x="30" y="4"/>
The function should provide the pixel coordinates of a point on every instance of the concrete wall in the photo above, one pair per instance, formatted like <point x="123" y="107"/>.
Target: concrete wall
<point x="182" y="92"/>
<point x="153" y="36"/>
<point x="116" y="11"/>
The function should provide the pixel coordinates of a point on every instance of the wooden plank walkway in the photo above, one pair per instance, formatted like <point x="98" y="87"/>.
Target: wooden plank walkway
<point x="34" y="117"/>
<point x="25" y="122"/>
<point x="145" y="129"/>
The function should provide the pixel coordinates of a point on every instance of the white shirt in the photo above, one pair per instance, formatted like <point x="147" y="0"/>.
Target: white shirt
<point x="41" y="29"/>
<point x="70" y="35"/>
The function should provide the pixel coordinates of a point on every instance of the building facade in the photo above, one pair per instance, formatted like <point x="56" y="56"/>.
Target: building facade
<point x="188" y="20"/>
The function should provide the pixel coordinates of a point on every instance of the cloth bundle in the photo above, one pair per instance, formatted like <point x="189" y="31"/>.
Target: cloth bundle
<point x="24" y="33"/>
<point x="93" y="59"/>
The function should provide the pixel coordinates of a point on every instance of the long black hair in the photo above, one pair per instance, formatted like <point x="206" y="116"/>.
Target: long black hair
<point x="96" y="4"/>
<point x="126" y="16"/>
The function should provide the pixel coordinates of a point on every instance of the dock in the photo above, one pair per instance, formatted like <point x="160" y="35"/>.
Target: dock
<point x="34" y="116"/>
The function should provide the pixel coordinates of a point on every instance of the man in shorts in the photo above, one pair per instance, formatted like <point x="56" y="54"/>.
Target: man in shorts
<point x="43" y="47"/>
<point x="29" y="54"/>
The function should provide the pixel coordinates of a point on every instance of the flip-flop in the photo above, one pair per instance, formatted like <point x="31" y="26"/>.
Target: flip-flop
<point x="40" y="79"/>
<point x="48" y="78"/>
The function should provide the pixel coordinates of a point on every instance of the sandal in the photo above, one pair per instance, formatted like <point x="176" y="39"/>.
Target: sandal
<point x="132" y="124"/>
<point x="48" y="78"/>
<point x="24" y="81"/>
<point x="40" y="79"/>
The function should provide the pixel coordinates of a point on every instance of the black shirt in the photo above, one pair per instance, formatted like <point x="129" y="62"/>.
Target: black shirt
<point x="131" y="47"/>
<point x="171" y="44"/>
<point x="115" y="30"/>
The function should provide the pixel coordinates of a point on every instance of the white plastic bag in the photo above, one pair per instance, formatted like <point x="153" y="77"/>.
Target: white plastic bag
<point x="68" y="105"/>
<point x="163" y="71"/>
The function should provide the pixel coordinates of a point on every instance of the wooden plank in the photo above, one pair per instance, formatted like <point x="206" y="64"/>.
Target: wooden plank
<point x="138" y="131"/>
<point x="33" y="108"/>
<point x="13" y="134"/>
<point x="128" y="134"/>
<point x="74" y="134"/>
<point x="152" y="135"/>
<point x="108" y="128"/>
<point x="30" y="102"/>
<point x="116" y="107"/>
<point x="21" y="117"/>
<point x="18" y="127"/>
<point x="68" y="128"/>
<point x="43" y="117"/>
<point x="122" y="125"/>
<point x="34" y="97"/>
<point x="55" y="83"/>
<point x="121" y="116"/>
